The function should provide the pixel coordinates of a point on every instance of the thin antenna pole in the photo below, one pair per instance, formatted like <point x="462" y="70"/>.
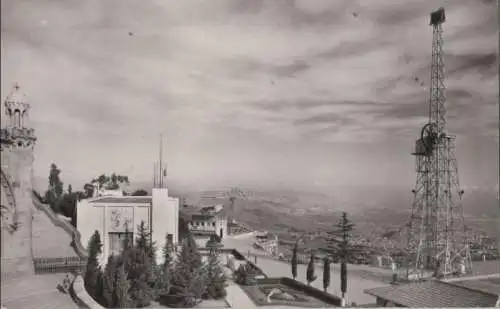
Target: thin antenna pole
<point x="154" y="175"/>
<point x="161" y="161"/>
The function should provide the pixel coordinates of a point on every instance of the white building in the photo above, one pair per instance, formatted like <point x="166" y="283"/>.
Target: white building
<point x="113" y="215"/>
<point x="206" y="221"/>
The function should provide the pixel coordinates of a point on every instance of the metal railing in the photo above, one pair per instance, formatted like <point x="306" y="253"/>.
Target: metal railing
<point x="59" y="265"/>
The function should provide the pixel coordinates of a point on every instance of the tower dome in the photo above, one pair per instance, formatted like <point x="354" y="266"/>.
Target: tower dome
<point x="16" y="132"/>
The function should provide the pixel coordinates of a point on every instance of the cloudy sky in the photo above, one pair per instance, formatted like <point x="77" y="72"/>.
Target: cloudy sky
<point x="298" y="93"/>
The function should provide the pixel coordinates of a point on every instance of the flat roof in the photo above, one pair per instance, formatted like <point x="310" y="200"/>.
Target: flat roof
<point x="434" y="293"/>
<point x="123" y="200"/>
<point x="201" y="212"/>
<point x="487" y="285"/>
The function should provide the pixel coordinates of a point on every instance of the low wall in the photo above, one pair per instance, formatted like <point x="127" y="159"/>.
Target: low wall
<point x="65" y="225"/>
<point x="80" y="295"/>
<point x="243" y="235"/>
<point x="234" y="252"/>
<point x="309" y="290"/>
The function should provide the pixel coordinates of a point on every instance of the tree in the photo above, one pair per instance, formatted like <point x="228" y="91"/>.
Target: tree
<point x="93" y="273"/>
<point x="88" y="190"/>
<point x="190" y="254"/>
<point x="139" y="265"/>
<point x="109" y="283"/>
<point x="214" y="242"/>
<point x="183" y="227"/>
<point x="189" y="278"/>
<point x="140" y="192"/>
<point x="216" y="280"/>
<point x="67" y="204"/>
<point x="111" y="182"/>
<point x="122" y="298"/>
<point x="326" y="273"/>
<point x="164" y="278"/>
<point x="55" y="189"/>
<point x="56" y="186"/>
<point x="341" y="247"/>
<point x="245" y="274"/>
<point x="294" y="260"/>
<point x="310" y="275"/>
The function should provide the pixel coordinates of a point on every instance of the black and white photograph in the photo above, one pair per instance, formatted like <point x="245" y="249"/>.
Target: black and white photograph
<point x="248" y="154"/>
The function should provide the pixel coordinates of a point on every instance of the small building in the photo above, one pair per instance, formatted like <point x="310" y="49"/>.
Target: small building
<point x="206" y="221"/>
<point x="473" y="292"/>
<point x="116" y="217"/>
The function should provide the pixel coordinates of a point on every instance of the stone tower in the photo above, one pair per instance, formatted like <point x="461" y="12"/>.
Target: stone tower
<point x="17" y="142"/>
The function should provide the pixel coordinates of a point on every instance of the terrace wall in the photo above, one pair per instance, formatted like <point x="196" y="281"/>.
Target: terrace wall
<point x="309" y="290"/>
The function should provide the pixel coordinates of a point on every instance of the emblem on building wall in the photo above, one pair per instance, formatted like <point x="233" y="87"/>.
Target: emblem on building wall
<point x="121" y="219"/>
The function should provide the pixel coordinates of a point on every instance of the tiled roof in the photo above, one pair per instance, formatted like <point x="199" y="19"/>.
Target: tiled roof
<point x="433" y="293"/>
<point x="123" y="199"/>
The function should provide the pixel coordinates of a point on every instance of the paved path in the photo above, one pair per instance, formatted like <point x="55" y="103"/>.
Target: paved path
<point x="274" y="268"/>
<point x="237" y="298"/>
<point x="35" y="292"/>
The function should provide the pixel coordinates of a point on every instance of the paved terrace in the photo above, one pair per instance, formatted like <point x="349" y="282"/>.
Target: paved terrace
<point x="35" y="292"/>
<point x="356" y="284"/>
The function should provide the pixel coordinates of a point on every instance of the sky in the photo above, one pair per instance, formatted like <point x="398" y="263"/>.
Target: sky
<point x="295" y="93"/>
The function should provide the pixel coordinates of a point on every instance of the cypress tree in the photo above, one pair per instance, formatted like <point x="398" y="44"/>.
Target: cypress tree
<point x="310" y="275"/>
<point x="294" y="261"/>
<point x="326" y="273"/>
<point x="93" y="272"/>
<point x="343" y="278"/>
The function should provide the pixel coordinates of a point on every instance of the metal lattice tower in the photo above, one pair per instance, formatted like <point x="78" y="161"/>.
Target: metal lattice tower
<point x="437" y="243"/>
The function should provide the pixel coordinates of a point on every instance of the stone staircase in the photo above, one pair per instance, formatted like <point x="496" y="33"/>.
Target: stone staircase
<point x="50" y="240"/>
<point x="52" y="237"/>
<point x="47" y="224"/>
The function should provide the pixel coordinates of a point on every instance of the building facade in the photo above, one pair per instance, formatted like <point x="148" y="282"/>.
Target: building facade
<point x="17" y="156"/>
<point x="117" y="217"/>
<point x="206" y="221"/>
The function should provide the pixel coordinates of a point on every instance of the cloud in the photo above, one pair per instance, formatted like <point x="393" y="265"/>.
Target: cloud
<point x="328" y="71"/>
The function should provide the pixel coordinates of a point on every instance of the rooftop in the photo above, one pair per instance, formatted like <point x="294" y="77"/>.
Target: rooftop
<point x="486" y="284"/>
<point x="202" y="212"/>
<point x="123" y="199"/>
<point x="434" y="293"/>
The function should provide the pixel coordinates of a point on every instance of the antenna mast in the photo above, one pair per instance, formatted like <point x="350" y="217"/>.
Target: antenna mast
<point x="437" y="239"/>
<point x="159" y="171"/>
<point x="161" y="161"/>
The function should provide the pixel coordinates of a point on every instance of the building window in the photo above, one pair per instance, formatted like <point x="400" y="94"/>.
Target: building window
<point x="17" y="118"/>
<point x="117" y="242"/>
<point x="213" y="224"/>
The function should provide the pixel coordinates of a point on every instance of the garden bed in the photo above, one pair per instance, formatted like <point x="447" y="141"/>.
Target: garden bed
<point x="289" y="297"/>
